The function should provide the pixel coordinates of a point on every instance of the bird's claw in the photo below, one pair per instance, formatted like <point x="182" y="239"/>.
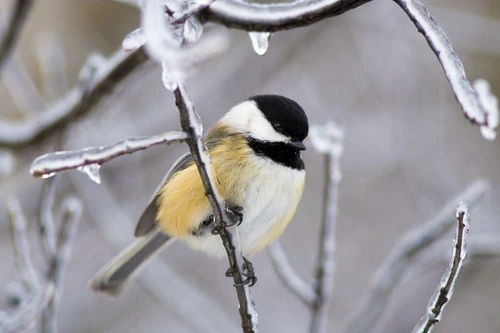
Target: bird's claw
<point x="235" y="215"/>
<point x="249" y="273"/>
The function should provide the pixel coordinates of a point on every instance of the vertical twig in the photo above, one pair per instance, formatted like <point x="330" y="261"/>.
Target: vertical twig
<point x="444" y="291"/>
<point x="328" y="141"/>
<point x="45" y="218"/>
<point x="191" y="124"/>
<point x="72" y="211"/>
<point x="24" y="263"/>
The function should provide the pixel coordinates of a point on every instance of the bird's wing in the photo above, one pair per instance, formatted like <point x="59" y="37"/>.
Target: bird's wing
<point x="147" y="221"/>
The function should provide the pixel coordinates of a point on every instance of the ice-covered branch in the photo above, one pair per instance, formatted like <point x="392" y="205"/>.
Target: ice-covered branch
<point x="288" y="276"/>
<point x="327" y="140"/>
<point x="191" y="124"/>
<point x="75" y="103"/>
<point x="252" y="16"/>
<point x="28" y="274"/>
<point x="444" y="291"/>
<point x="72" y="211"/>
<point x="478" y="104"/>
<point x="14" y="27"/>
<point x="49" y="164"/>
<point x="390" y="271"/>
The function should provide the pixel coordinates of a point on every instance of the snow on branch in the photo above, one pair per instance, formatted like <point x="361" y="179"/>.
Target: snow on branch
<point x="444" y="291"/>
<point x="49" y="164"/>
<point x="478" y="104"/>
<point x="389" y="273"/>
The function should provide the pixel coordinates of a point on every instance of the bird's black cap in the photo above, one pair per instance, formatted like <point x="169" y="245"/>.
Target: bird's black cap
<point x="285" y="115"/>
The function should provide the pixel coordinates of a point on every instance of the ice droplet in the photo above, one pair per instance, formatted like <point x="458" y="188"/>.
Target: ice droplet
<point x="91" y="170"/>
<point x="48" y="175"/>
<point x="168" y="77"/>
<point x="260" y="41"/>
<point x="134" y="40"/>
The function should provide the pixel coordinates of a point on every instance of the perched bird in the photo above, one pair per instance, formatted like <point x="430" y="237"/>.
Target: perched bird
<point x="255" y="151"/>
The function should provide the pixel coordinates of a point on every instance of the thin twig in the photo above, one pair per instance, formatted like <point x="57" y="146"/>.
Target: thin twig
<point x="45" y="218"/>
<point x="18" y="17"/>
<point x="472" y="105"/>
<point x="289" y="276"/>
<point x="327" y="140"/>
<point x="191" y="124"/>
<point x="72" y="209"/>
<point x="389" y="273"/>
<point x="49" y="164"/>
<point x="27" y="272"/>
<point x="444" y="291"/>
<point x="75" y="103"/>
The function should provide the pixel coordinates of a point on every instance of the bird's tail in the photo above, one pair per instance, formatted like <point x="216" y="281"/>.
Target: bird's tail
<point x="113" y="278"/>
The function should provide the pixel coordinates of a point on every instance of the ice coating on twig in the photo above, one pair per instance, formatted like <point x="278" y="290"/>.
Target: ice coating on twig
<point x="260" y="41"/>
<point x="327" y="140"/>
<point x="134" y="40"/>
<point x="24" y="263"/>
<point x="444" y="291"/>
<point x="48" y="165"/>
<point x="490" y="106"/>
<point x="92" y="171"/>
<point x="93" y="63"/>
<point x="168" y="77"/>
<point x="476" y="107"/>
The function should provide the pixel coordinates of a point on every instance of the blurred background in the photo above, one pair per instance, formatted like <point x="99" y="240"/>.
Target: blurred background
<point x="408" y="151"/>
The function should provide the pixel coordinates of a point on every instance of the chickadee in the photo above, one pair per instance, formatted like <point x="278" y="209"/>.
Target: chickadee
<point x="255" y="151"/>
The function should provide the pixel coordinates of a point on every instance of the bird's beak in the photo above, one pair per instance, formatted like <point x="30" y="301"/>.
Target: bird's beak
<point x="297" y="145"/>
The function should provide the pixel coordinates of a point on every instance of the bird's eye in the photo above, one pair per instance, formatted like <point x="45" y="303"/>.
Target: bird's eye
<point x="278" y="127"/>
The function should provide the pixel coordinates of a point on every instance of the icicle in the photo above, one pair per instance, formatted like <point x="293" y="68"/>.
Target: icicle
<point x="134" y="40"/>
<point x="91" y="170"/>
<point x="260" y="41"/>
<point x="168" y="77"/>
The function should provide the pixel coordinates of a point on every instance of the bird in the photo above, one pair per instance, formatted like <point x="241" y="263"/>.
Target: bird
<point x="255" y="149"/>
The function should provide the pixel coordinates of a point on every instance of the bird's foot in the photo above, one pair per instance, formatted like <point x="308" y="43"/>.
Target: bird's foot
<point x="234" y="214"/>
<point x="249" y="273"/>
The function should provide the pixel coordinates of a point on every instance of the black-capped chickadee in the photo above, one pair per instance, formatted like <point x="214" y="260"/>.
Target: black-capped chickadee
<point x="255" y="151"/>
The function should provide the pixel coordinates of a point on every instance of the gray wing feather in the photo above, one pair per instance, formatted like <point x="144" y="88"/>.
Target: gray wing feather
<point x="147" y="221"/>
